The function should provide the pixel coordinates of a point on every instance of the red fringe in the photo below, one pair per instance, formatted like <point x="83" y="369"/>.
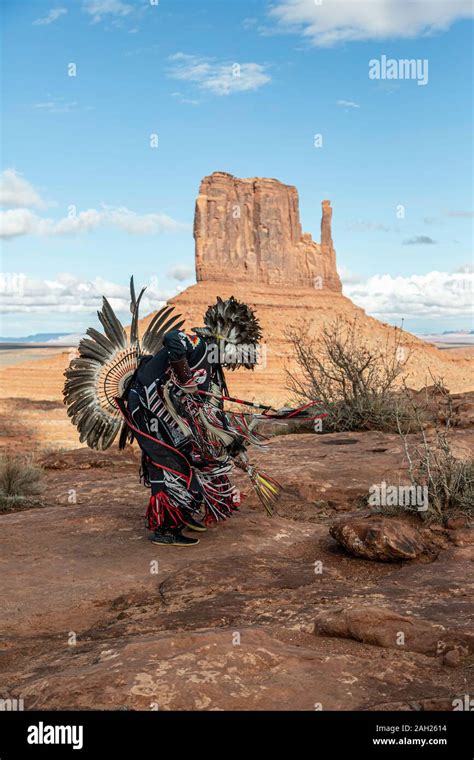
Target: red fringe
<point x="159" y="508"/>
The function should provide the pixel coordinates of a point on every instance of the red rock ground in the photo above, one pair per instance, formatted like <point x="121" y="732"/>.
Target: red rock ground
<point x="230" y="624"/>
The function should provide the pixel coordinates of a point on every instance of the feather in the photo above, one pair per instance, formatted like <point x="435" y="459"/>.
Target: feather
<point x="80" y="403"/>
<point x="112" y="325"/>
<point x="104" y="364"/>
<point x="93" y="436"/>
<point x="73" y="379"/>
<point x="155" y="323"/>
<point x="87" y="423"/>
<point x="125" y="436"/>
<point x="81" y="393"/>
<point x="91" y="349"/>
<point x="83" y="363"/>
<point x="267" y="489"/>
<point x="89" y="371"/>
<point x="157" y="345"/>
<point x="78" y="376"/>
<point x="76" y="392"/>
<point x="160" y="314"/>
<point x="133" y="299"/>
<point x="80" y="419"/>
<point x="163" y="321"/>
<point x="134" y="308"/>
<point x="159" y="331"/>
<point x="76" y="385"/>
<point x="101" y="339"/>
<point x="110" y="434"/>
<point x="235" y="322"/>
<point x="102" y="433"/>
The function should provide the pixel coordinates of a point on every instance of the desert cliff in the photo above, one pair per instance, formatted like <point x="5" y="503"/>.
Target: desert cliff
<point x="249" y="231"/>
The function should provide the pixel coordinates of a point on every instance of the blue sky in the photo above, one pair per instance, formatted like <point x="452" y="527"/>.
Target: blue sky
<point x="87" y="200"/>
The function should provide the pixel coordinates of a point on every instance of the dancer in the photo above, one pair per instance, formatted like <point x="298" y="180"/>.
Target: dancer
<point x="167" y="392"/>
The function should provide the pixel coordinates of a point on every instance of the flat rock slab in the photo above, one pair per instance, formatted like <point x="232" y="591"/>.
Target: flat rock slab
<point x="226" y="669"/>
<point x="383" y="627"/>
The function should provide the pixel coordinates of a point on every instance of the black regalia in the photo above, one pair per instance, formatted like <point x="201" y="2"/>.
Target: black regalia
<point x="166" y="391"/>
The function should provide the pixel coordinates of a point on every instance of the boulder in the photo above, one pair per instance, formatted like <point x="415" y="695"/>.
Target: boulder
<point x="385" y="539"/>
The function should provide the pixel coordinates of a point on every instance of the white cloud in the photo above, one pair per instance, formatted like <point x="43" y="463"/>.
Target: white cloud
<point x="22" y="221"/>
<point x="52" y="16"/>
<point x="108" y="8"/>
<point x="419" y="240"/>
<point x="347" y="104"/>
<point x="348" y="277"/>
<point x="181" y="99"/>
<point x="432" y="295"/>
<point x="15" y="191"/>
<point x="19" y="197"/>
<point x="369" y="226"/>
<point x="218" y="78"/>
<point x="70" y="294"/>
<point x="140" y="224"/>
<point x="328" y="23"/>
<point x="461" y="214"/>
<point x="56" y="106"/>
<point x="181" y="272"/>
<point x="250" y="22"/>
<point x="66" y="340"/>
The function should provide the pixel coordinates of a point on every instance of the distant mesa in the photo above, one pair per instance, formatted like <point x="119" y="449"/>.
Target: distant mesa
<point x="36" y="338"/>
<point x="250" y="230"/>
<point x="42" y="339"/>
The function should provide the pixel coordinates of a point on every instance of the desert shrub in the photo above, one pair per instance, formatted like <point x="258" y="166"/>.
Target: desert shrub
<point x="443" y="482"/>
<point x="20" y="480"/>
<point x="355" y="381"/>
<point x="450" y="484"/>
<point x="449" y="481"/>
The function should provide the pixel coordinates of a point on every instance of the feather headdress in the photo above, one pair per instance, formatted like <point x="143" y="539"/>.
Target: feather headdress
<point x="234" y="325"/>
<point x="105" y="364"/>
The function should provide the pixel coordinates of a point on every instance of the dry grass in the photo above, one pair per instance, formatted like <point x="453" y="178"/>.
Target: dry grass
<point x="20" y="481"/>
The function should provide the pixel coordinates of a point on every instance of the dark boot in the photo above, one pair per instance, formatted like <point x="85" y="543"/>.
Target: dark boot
<point x="168" y="537"/>
<point x="193" y="524"/>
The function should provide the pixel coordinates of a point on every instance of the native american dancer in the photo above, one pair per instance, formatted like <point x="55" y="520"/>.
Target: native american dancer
<point x="167" y="392"/>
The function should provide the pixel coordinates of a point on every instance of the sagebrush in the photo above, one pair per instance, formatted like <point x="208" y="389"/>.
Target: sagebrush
<point x="355" y="380"/>
<point x="448" y="479"/>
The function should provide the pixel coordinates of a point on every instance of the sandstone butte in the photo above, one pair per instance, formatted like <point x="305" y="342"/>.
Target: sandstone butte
<point x="249" y="244"/>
